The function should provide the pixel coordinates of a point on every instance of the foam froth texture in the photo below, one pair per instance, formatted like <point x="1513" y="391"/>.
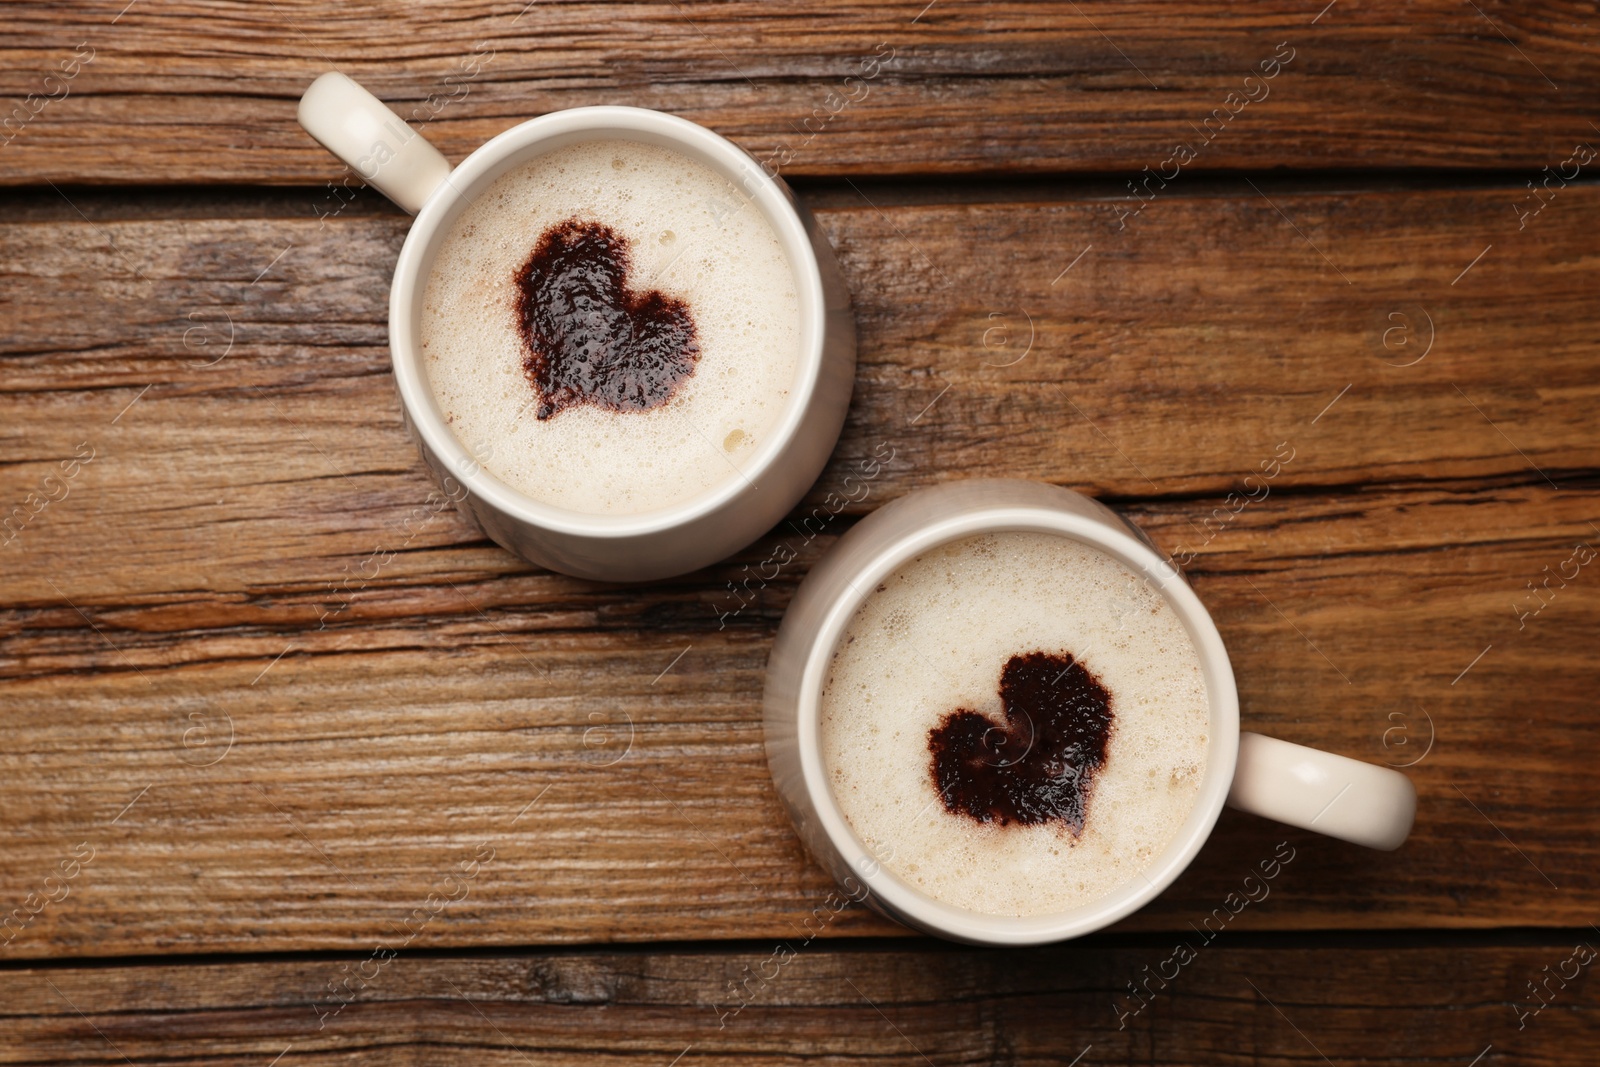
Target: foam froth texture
<point x="933" y="639"/>
<point x="691" y="234"/>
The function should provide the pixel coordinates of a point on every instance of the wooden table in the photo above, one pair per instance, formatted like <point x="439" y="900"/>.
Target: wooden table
<point x="298" y="768"/>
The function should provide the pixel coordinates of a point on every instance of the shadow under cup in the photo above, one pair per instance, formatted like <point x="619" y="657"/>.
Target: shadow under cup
<point x="731" y="513"/>
<point x="829" y="599"/>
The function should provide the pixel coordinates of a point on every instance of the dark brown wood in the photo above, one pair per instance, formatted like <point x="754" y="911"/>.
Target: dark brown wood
<point x="251" y="553"/>
<point x="784" y="1004"/>
<point x="202" y="91"/>
<point x="1231" y="321"/>
<point x="462" y="699"/>
<point x="262" y="692"/>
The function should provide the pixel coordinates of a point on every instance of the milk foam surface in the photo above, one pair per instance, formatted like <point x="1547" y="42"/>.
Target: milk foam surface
<point x="934" y="638"/>
<point x="695" y="236"/>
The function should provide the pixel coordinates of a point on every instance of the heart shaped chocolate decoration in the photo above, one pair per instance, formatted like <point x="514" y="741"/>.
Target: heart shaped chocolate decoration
<point x="587" y="337"/>
<point x="1039" y="765"/>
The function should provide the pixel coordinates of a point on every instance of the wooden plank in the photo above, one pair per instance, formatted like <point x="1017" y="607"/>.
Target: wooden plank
<point x="204" y="91"/>
<point x="251" y="553"/>
<point x="624" y="792"/>
<point x="1228" y="1004"/>
<point x="1390" y="335"/>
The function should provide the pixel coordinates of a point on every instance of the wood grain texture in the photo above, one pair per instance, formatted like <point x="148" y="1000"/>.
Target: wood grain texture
<point x="282" y="699"/>
<point x="1370" y="1004"/>
<point x="1388" y="335"/>
<point x="205" y="90"/>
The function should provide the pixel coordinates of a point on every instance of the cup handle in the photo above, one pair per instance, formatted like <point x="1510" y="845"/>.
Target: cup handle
<point x="377" y="144"/>
<point x="1315" y="790"/>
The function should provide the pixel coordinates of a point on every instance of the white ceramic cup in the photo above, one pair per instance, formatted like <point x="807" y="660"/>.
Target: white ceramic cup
<point x="1304" y="787"/>
<point x="395" y="159"/>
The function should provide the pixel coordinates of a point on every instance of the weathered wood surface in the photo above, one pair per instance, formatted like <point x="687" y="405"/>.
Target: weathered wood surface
<point x="249" y="557"/>
<point x="1036" y="338"/>
<point x="205" y="91"/>
<point x="1230" y="1004"/>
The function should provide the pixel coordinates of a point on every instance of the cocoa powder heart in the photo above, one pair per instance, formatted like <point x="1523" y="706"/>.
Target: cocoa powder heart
<point x="590" y="339"/>
<point x="1037" y="766"/>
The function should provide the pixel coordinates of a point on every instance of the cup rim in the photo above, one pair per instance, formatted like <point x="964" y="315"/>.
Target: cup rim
<point x="911" y="905"/>
<point x="766" y="192"/>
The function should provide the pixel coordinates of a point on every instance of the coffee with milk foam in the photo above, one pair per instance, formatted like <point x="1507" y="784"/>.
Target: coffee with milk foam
<point x="612" y="328"/>
<point x="1015" y="724"/>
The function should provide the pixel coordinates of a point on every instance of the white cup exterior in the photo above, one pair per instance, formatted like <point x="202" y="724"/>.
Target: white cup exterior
<point x="828" y="599"/>
<point x="636" y="547"/>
